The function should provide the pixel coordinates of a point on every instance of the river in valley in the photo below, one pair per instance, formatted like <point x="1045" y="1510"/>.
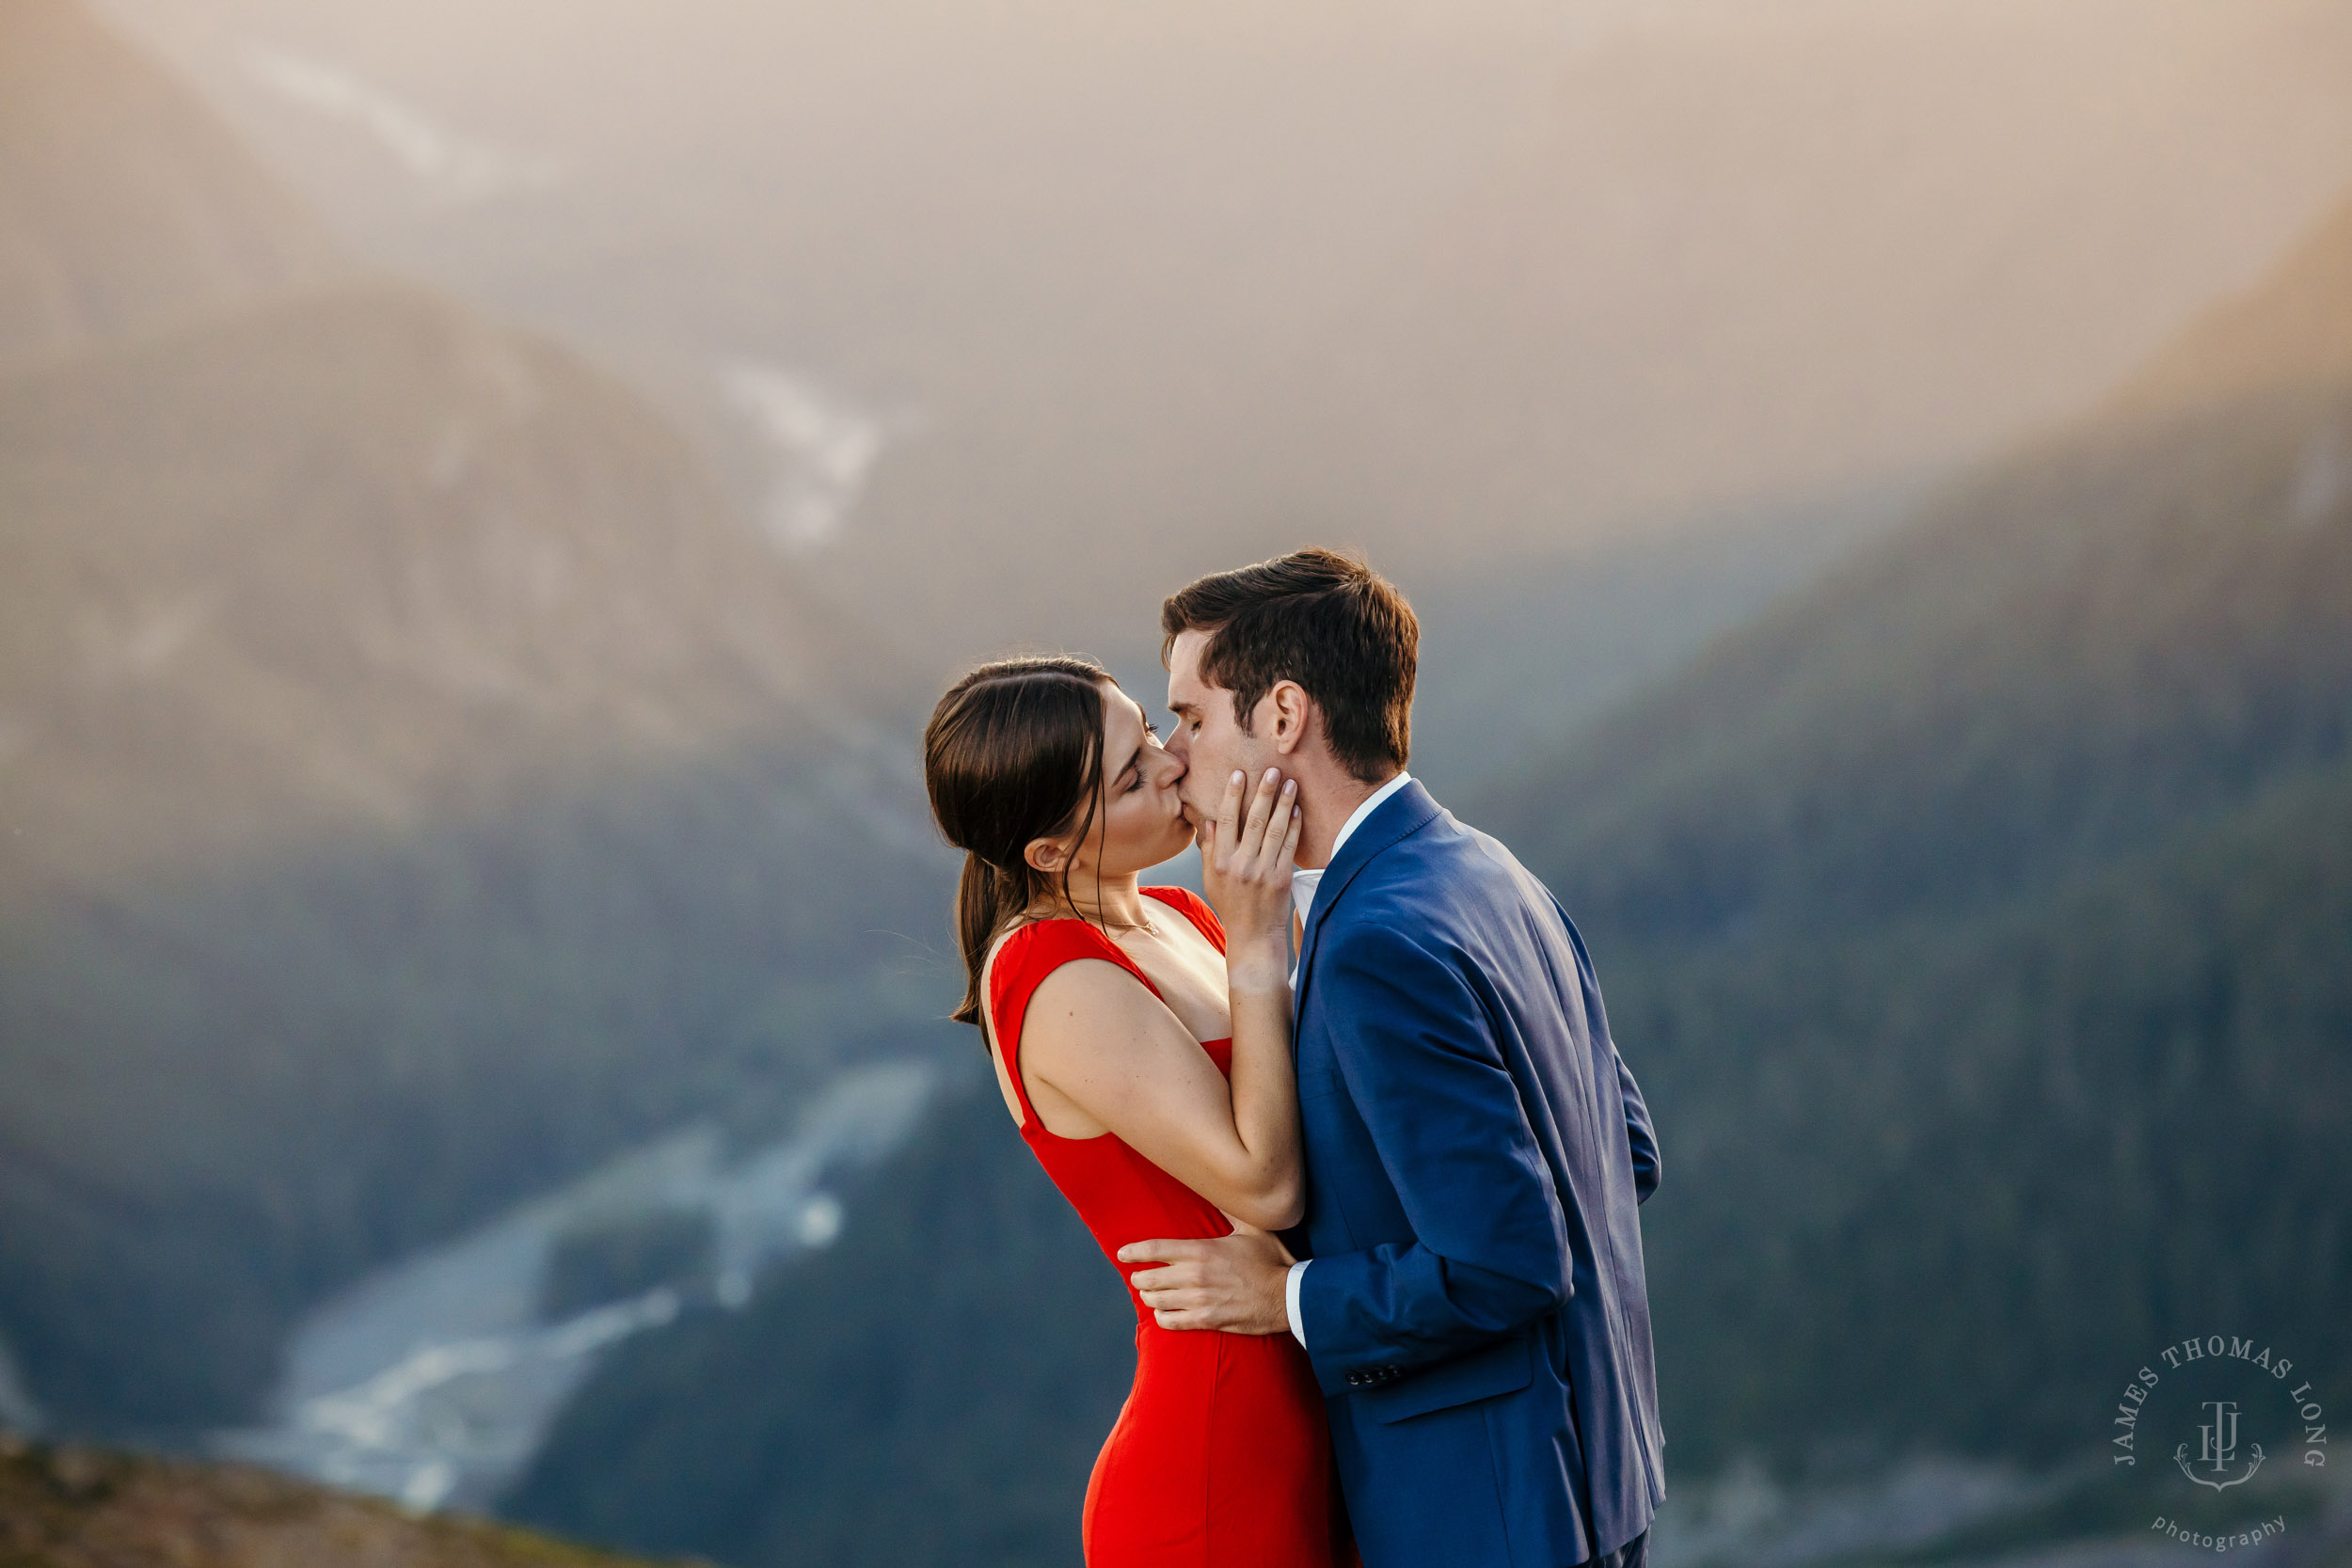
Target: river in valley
<point x="434" y="1379"/>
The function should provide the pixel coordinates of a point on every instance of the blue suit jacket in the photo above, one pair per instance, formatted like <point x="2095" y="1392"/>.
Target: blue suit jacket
<point x="1475" y="1151"/>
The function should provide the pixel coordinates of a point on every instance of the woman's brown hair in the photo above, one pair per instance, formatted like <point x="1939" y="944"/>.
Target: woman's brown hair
<point x="1013" y="753"/>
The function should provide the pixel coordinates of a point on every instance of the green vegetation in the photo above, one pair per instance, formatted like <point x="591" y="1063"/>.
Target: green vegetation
<point x="1938" y="1188"/>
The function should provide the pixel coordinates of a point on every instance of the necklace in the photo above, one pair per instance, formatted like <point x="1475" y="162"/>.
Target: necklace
<point x="1145" y="925"/>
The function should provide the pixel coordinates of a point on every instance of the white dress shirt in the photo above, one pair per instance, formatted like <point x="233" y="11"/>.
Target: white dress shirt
<point x="1303" y="885"/>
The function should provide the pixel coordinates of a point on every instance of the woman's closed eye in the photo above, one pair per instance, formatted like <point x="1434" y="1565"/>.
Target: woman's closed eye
<point x="1133" y="773"/>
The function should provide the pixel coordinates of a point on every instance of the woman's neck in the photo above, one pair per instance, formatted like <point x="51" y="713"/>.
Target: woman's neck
<point x="1118" y="902"/>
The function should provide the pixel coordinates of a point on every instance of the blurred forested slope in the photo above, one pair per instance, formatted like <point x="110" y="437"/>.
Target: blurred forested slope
<point x="1981" y="924"/>
<point x="414" y="780"/>
<point x="932" y="1390"/>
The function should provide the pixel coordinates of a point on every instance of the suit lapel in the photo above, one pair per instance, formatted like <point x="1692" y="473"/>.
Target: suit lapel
<point x="1399" y="817"/>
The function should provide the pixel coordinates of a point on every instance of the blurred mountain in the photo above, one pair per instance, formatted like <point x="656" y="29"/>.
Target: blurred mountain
<point x="179" y="223"/>
<point x="354" y="557"/>
<point x="1979" y="922"/>
<point x="2296" y="329"/>
<point x="417" y="781"/>
<point x="1479" y="285"/>
<point x="87" y="1508"/>
<point x="2145" y="619"/>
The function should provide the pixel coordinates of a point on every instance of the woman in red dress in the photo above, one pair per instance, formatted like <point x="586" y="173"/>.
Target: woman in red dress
<point x="1143" y="1048"/>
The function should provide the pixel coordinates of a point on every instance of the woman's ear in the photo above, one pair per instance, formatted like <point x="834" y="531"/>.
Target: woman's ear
<point x="1047" y="855"/>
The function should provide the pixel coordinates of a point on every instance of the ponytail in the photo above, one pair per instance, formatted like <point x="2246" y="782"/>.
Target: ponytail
<point x="986" y="901"/>
<point x="1013" y="753"/>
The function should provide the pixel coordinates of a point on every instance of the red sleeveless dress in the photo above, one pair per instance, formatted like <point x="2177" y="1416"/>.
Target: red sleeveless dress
<point x="1222" y="1457"/>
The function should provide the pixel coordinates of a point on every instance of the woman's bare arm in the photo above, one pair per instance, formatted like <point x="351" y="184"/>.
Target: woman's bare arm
<point x="1116" y="1052"/>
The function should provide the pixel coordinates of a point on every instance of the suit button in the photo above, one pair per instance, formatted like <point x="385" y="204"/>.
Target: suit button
<point x="1355" y="1380"/>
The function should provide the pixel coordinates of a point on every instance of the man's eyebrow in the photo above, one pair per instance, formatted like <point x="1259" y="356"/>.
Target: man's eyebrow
<point x="1180" y="709"/>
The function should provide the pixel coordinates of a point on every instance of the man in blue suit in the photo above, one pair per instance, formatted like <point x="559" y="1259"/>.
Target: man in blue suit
<point x="1472" y="1296"/>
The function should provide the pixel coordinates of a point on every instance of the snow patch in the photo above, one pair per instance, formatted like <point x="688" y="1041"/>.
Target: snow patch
<point x="453" y="168"/>
<point x="825" y="449"/>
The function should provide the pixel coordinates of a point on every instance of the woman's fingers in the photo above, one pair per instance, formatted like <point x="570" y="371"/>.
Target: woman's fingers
<point x="1260" y="813"/>
<point x="1289" y="850"/>
<point x="1277" y="847"/>
<point x="1229" y="814"/>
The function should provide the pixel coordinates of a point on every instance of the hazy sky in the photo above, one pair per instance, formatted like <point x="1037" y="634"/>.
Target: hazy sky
<point x="1005" y="313"/>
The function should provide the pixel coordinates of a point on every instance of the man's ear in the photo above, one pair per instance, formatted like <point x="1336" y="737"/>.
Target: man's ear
<point x="1286" y="710"/>
<point x="1046" y="856"/>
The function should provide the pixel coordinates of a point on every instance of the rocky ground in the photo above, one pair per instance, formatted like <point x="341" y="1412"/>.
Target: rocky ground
<point x="69" y="1506"/>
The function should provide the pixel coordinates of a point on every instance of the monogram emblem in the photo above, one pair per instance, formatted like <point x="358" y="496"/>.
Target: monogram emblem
<point x="2217" y="1449"/>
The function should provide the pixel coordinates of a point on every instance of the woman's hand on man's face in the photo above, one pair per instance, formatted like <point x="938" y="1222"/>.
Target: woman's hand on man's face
<point x="1246" y="869"/>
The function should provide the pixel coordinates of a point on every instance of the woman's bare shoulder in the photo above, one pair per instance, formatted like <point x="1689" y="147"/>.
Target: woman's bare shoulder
<point x="1090" y="995"/>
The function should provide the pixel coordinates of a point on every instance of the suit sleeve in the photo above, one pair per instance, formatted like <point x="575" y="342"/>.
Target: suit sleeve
<point x="1638" y="1133"/>
<point x="1422" y="1064"/>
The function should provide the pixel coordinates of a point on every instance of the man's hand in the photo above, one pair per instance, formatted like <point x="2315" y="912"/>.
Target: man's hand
<point x="1234" y="1283"/>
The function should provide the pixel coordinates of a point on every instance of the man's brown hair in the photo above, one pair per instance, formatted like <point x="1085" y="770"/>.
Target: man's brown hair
<point x="1325" y="619"/>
